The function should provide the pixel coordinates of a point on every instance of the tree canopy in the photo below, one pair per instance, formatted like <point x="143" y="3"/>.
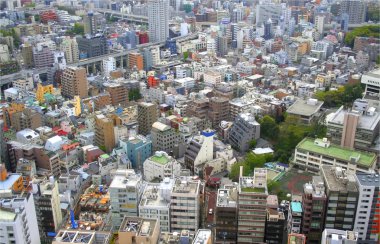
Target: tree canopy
<point x="250" y="162"/>
<point x="268" y="127"/>
<point x="364" y="31"/>
<point x="344" y="95"/>
<point x="78" y="29"/>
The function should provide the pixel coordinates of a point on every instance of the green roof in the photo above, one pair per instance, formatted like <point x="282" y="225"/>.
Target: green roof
<point x="338" y="152"/>
<point x="160" y="159"/>
<point x="104" y="156"/>
<point x="253" y="189"/>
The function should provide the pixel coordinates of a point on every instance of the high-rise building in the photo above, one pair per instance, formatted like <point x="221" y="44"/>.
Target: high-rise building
<point x="43" y="57"/>
<point x="135" y="60"/>
<point x="342" y="194"/>
<point x="320" y="23"/>
<point x="74" y="82"/>
<point x="226" y="215"/>
<point x="356" y="10"/>
<point x="252" y="202"/>
<point x="164" y="138"/>
<point x="138" y="148"/>
<point x="109" y="65"/>
<point x="18" y="219"/>
<point x="313" y="205"/>
<point x="27" y="55"/>
<point x="92" y="46"/>
<point x="70" y="47"/>
<point x="155" y="203"/>
<point x="125" y="191"/>
<point x="199" y="150"/>
<point x="104" y="133"/>
<point x="367" y="220"/>
<point x="118" y="93"/>
<point x="244" y="130"/>
<point x="275" y="225"/>
<point x="147" y="114"/>
<point x="158" y="18"/>
<point x="268" y="29"/>
<point x="218" y="110"/>
<point x="48" y="207"/>
<point x="90" y="24"/>
<point x="185" y="205"/>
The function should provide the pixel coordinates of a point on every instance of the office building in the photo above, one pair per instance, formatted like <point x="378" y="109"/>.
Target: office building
<point x="198" y="108"/>
<point x="90" y="24"/>
<point x="135" y="61"/>
<point x="199" y="150"/>
<point x="165" y="138"/>
<point x="125" y="191"/>
<point x="313" y="154"/>
<point x="28" y="118"/>
<point x="356" y="10"/>
<point x="244" y="130"/>
<point x="313" y="204"/>
<point x="109" y="65"/>
<point x="218" y="110"/>
<point x="118" y="93"/>
<point x="18" y="219"/>
<point x="43" y="57"/>
<point x="339" y="236"/>
<point x="48" y="207"/>
<point x="367" y="220"/>
<point x="342" y="194"/>
<point x="160" y="166"/>
<point x="355" y="129"/>
<point x="27" y="55"/>
<point x="372" y="82"/>
<point x="185" y="204"/>
<point x="105" y="133"/>
<point x="74" y="82"/>
<point x="226" y="215"/>
<point x="268" y="29"/>
<point x="252" y="201"/>
<point x="275" y="225"/>
<point x="70" y="47"/>
<point x="92" y="46"/>
<point x="295" y="217"/>
<point x="155" y="203"/>
<point x="137" y="230"/>
<point x="158" y="20"/>
<point x="147" y="114"/>
<point x="138" y="149"/>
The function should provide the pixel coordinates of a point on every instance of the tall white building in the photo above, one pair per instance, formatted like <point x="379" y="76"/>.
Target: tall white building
<point x="155" y="203"/>
<point x="124" y="191"/>
<point x="70" y="47"/>
<point x="320" y="23"/>
<point x="158" y="18"/>
<point x="109" y="65"/>
<point x="18" y="220"/>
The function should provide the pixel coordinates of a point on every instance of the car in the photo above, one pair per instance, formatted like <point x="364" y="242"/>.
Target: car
<point x="210" y="211"/>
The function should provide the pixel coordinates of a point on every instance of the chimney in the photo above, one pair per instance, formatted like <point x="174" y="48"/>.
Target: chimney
<point x="241" y="171"/>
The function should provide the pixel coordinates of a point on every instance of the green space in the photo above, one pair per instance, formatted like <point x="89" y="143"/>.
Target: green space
<point x="78" y="29"/>
<point x="250" y="162"/>
<point x="160" y="159"/>
<point x="253" y="189"/>
<point x="365" y="159"/>
<point x="363" y="31"/>
<point x="344" y="95"/>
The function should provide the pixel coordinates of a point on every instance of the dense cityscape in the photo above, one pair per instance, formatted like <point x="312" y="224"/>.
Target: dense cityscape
<point x="189" y="121"/>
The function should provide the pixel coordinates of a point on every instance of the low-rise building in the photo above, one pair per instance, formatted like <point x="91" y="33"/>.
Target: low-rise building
<point x="306" y="111"/>
<point x="313" y="154"/>
<point x="139" y="230"/>
<point x="160" y="166"/>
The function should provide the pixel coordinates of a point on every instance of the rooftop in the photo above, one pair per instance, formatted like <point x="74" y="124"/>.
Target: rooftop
<point x="124" y="178"/>
<point x="160" y="157"/>
<point x="364" y="158"/>
<point x="157" y="195"/>
<point x="7" y="215"/>
<point x="186" y="185"/>
<point x="296" y="207"/>
<point x="226" y="198"/>
<point x="9" y="181"/>
<point x="337" y="179"/>
<point x="140" y="226"/>
<point x="160" y="126"/>
<point x="202" y="236"/>
<point x="368" y="179"/>
<point x="305" y="108"/>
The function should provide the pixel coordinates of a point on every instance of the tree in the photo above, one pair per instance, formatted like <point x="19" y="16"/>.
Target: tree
<point x="363" y="31"/>
<point x="268" y="127"/>
<point x="252" y="144"/>
<point x="134" y="94"/>
<point x="78" y="29"/>
<point x="378" y="59"/>
<point x="235" y="171"/>
<point x="344" y="95"/>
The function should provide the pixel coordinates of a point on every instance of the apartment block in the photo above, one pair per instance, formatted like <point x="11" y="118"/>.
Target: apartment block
<point x="118" y="93"/>
<point x="135" y="60"/>
<point x="295" y="217"/>
<point x="226" y="215"/>
<point x="342" y="194"/>
<point x="198" y="108"/>
<point x="138" y="148"/>
<point x="199" y="150"/>
<point x="161" y="166"/>
<point x="105" y="132"/>
<point x="74" y="82"/>
<point x="185" y="204"/>
<point x="18" y="222"/>
<point x="244" y="130"/>
<point x="164" y="138"/>
<point x="42" y="57"/>
<point x="313" y="204"/>
<point x="147" y="114"/>
<point x="136" y="230"/>
<point x="275" y="225"/>
<point x="367" y="220"/>
<point x="218" y="110"/>
<point x="28" y="118"/>
<point x="125" y="191"/>
<point x="48" y="206"/>
<point x="313" y="154"/>
<point x="70" y="47"/>
<point x="339" y="236"/>
<point x="252" y="201"/>
<point x="155" y="203"/>
<point x="92" y="46"/>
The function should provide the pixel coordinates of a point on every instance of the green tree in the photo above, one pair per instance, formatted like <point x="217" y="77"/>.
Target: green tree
<point x="134" y="94"/>
<point x="344" y="95"/>
<point x="78" y="29"/>
<point x="363" y="31"/>
<point x="235" y="171"/>
<point x="378" y="59"/>
<point x="268" y="127"/>
<point x="252" y="144"/>
<point x="37" y="18"/>
<point x="11" y="32"/>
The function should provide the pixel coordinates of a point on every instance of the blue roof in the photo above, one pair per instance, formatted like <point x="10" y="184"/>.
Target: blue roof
<point x="208" y="133"/>
<point x="8" y="183"/>
<point x="283" y="165"/>
<point x="296" y="207"/>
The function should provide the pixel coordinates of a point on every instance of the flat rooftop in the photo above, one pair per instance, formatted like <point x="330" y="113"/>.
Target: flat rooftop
<point x="139" y="226"/>
<point x="337" y="180"/>
<point x="7" y="215"/>
<point x="160" y="159"/>
<point x="186" y="185"/>
<point x="368" y="179"/>
<point x="154" y="194"/>
<point x="202" y="236"/>
<point x="225" y="199"/>
<point x="130" y="179"/>
<point x="296" y="207"/>
<point x="9" y="181"/>
<point x="303" y="108"/>
<point x="365" y="158"/>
